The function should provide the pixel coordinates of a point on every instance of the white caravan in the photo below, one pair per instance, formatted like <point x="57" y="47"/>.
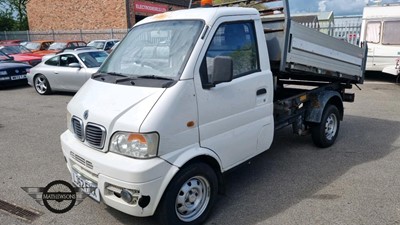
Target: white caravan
<point x="380" y="29"/>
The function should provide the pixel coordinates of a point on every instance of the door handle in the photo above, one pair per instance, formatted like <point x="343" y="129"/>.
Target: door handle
<point x="261" y="91"/>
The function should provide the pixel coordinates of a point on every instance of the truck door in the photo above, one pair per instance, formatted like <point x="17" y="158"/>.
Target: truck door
<point x="235" y="118"/>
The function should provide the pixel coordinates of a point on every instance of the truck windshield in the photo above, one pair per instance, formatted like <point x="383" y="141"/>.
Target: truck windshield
<point x="157" y="49"/>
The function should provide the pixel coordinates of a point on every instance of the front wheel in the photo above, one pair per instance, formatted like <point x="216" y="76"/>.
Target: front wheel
<point x="189" y="196"/>
<point x="325" y="133"/>
<point x="42" y="85"/>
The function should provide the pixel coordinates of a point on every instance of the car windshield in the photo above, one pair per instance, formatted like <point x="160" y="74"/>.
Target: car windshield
<point x="160" y="49"/>
<point x="96" y="44"/>
<point x="58" y="46"/>
<point x="93" y="59"/>
<point x="15" y="49"/>
<point x="33" y="45"/>
<point x="4" y="57"/>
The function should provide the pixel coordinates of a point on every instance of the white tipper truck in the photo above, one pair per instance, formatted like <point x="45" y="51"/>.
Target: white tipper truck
<point x="190" y="94"/>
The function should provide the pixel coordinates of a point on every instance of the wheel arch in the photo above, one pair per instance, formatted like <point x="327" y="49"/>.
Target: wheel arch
<point x="187" y="158"/>
<point x="318" y="104"/>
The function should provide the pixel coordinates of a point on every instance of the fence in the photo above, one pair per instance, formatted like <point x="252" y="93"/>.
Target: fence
<point x="346" y="28"/>
<point x="83" y="35"/>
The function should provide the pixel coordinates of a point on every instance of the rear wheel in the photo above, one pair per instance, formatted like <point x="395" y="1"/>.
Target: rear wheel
<point x="325" y="133"/>
<point x="42" y="85"/>
<point x="189" y="196"/>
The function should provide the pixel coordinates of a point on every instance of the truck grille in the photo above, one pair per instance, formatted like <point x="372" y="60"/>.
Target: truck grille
<point x="95" y="135"/>
<point x="77" y="126"/>
<point x="81" y="160"/>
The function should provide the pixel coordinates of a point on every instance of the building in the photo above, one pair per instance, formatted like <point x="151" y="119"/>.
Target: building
<point x="325" y="20"/>
<point x="94" y="14"/>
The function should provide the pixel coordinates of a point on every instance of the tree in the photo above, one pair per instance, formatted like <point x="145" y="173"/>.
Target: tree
<point x="18" y="9"/>
<point x="7" y="22"/>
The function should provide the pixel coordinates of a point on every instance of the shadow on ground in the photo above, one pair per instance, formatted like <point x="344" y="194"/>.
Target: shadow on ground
<point x="379" y="76"/>
<point x="293" y="170"/>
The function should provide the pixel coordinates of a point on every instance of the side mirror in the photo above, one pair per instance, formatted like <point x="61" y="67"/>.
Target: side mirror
<point x="74" y="65"/>
<point x="222" y="71"/>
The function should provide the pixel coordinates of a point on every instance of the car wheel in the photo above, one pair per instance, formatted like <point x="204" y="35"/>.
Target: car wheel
<point x="189" y="196"/>
<point x="42" y="85"/>
<point x="324" y="134"/>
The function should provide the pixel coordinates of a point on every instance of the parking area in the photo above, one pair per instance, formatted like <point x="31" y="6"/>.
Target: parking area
<point x="356" y="181"/>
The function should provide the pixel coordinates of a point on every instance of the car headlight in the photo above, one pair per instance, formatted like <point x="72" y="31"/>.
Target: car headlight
<point x="135" y="145"/>
<point x="3" y="72"/>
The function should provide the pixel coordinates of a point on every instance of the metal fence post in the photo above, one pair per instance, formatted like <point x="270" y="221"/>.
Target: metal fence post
<point x="5" y="35"/>
<point x="28" y="36"/>
<point x="112" y="34"/>
<point x="80" y="31"/>
<point x="54" y="36"/>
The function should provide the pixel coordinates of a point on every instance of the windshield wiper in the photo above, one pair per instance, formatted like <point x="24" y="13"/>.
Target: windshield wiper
<point x="96" y="75"/>
<point x="126" y="79"/>
<point x="155" y="77"/>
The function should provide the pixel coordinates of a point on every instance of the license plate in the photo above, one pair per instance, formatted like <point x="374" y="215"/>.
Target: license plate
<point x="87" y="186"/>
<point x="18" y="77"/>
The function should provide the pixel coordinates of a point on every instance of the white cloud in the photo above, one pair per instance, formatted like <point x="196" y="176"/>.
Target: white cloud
<point x="322" y="6"/>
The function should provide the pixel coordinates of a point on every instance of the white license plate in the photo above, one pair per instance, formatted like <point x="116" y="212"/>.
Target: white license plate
<point x="86" y="185"/>
<point x="18" y="77"/>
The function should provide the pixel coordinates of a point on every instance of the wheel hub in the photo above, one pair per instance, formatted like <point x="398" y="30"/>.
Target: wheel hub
<point x="330" y="126"/>
<point x="192" y="199"/>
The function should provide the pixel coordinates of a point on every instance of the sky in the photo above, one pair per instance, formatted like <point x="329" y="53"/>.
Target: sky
<point x="339" y="7"/>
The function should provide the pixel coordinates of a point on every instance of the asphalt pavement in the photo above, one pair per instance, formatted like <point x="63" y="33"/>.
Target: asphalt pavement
<point x="356" y="181"/>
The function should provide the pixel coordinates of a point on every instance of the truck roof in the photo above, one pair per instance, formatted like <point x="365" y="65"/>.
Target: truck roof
<point x="209" y="15"/>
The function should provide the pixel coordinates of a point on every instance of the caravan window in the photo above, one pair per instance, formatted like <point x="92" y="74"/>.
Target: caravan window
<point x="373" y="32"/>
<point x="391" y="33"/>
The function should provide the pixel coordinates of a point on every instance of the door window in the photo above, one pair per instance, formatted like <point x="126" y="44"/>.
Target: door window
<point x="236" y="40"/>
<point x="53" y="61"/>
<point x="67" y="59"/>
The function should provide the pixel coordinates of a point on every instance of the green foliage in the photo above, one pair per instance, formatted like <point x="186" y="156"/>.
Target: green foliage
<point x="7" y="22"/>
<point x="13" y="15"/>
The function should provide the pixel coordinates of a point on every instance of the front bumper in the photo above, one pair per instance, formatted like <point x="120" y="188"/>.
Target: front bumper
<point x="112" y="173"/>
<point x="6" y="81"/>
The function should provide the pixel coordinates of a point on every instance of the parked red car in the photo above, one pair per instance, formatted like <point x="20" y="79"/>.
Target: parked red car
<point x="59" y="46"/>
<point x="21" y="54"/>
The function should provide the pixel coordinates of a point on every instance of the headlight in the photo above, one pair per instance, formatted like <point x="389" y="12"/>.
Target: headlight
<point x="3" y="72"/>
<point x="135" y="145"/>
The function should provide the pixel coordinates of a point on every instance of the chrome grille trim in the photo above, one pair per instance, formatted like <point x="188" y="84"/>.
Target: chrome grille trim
<point x="95" y="135"/>
<point x="77" y="126"/>
<point x="81" y="160"/>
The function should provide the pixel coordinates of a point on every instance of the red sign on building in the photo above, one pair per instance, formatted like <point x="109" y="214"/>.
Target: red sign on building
<point x="146" y="7"/>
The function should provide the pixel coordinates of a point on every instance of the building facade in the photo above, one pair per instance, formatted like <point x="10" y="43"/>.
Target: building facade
<point x="94" y="14"/>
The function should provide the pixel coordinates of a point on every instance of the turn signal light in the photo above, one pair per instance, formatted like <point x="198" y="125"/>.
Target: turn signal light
<point x="205" y="3"/>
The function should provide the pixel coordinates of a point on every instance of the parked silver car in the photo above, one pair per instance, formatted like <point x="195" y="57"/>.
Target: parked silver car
<point x="66" y="71"/>
<point x="105" y="45"/>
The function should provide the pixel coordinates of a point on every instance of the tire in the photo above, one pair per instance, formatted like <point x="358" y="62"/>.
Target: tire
<point x="189" y="197"/>
<point x="325" y="133"/>
<point x="41" y="85"/>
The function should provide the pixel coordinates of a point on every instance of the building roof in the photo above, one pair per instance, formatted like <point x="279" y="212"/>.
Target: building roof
<point x="305" y="19"/>
<point x="322" y="16"/>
